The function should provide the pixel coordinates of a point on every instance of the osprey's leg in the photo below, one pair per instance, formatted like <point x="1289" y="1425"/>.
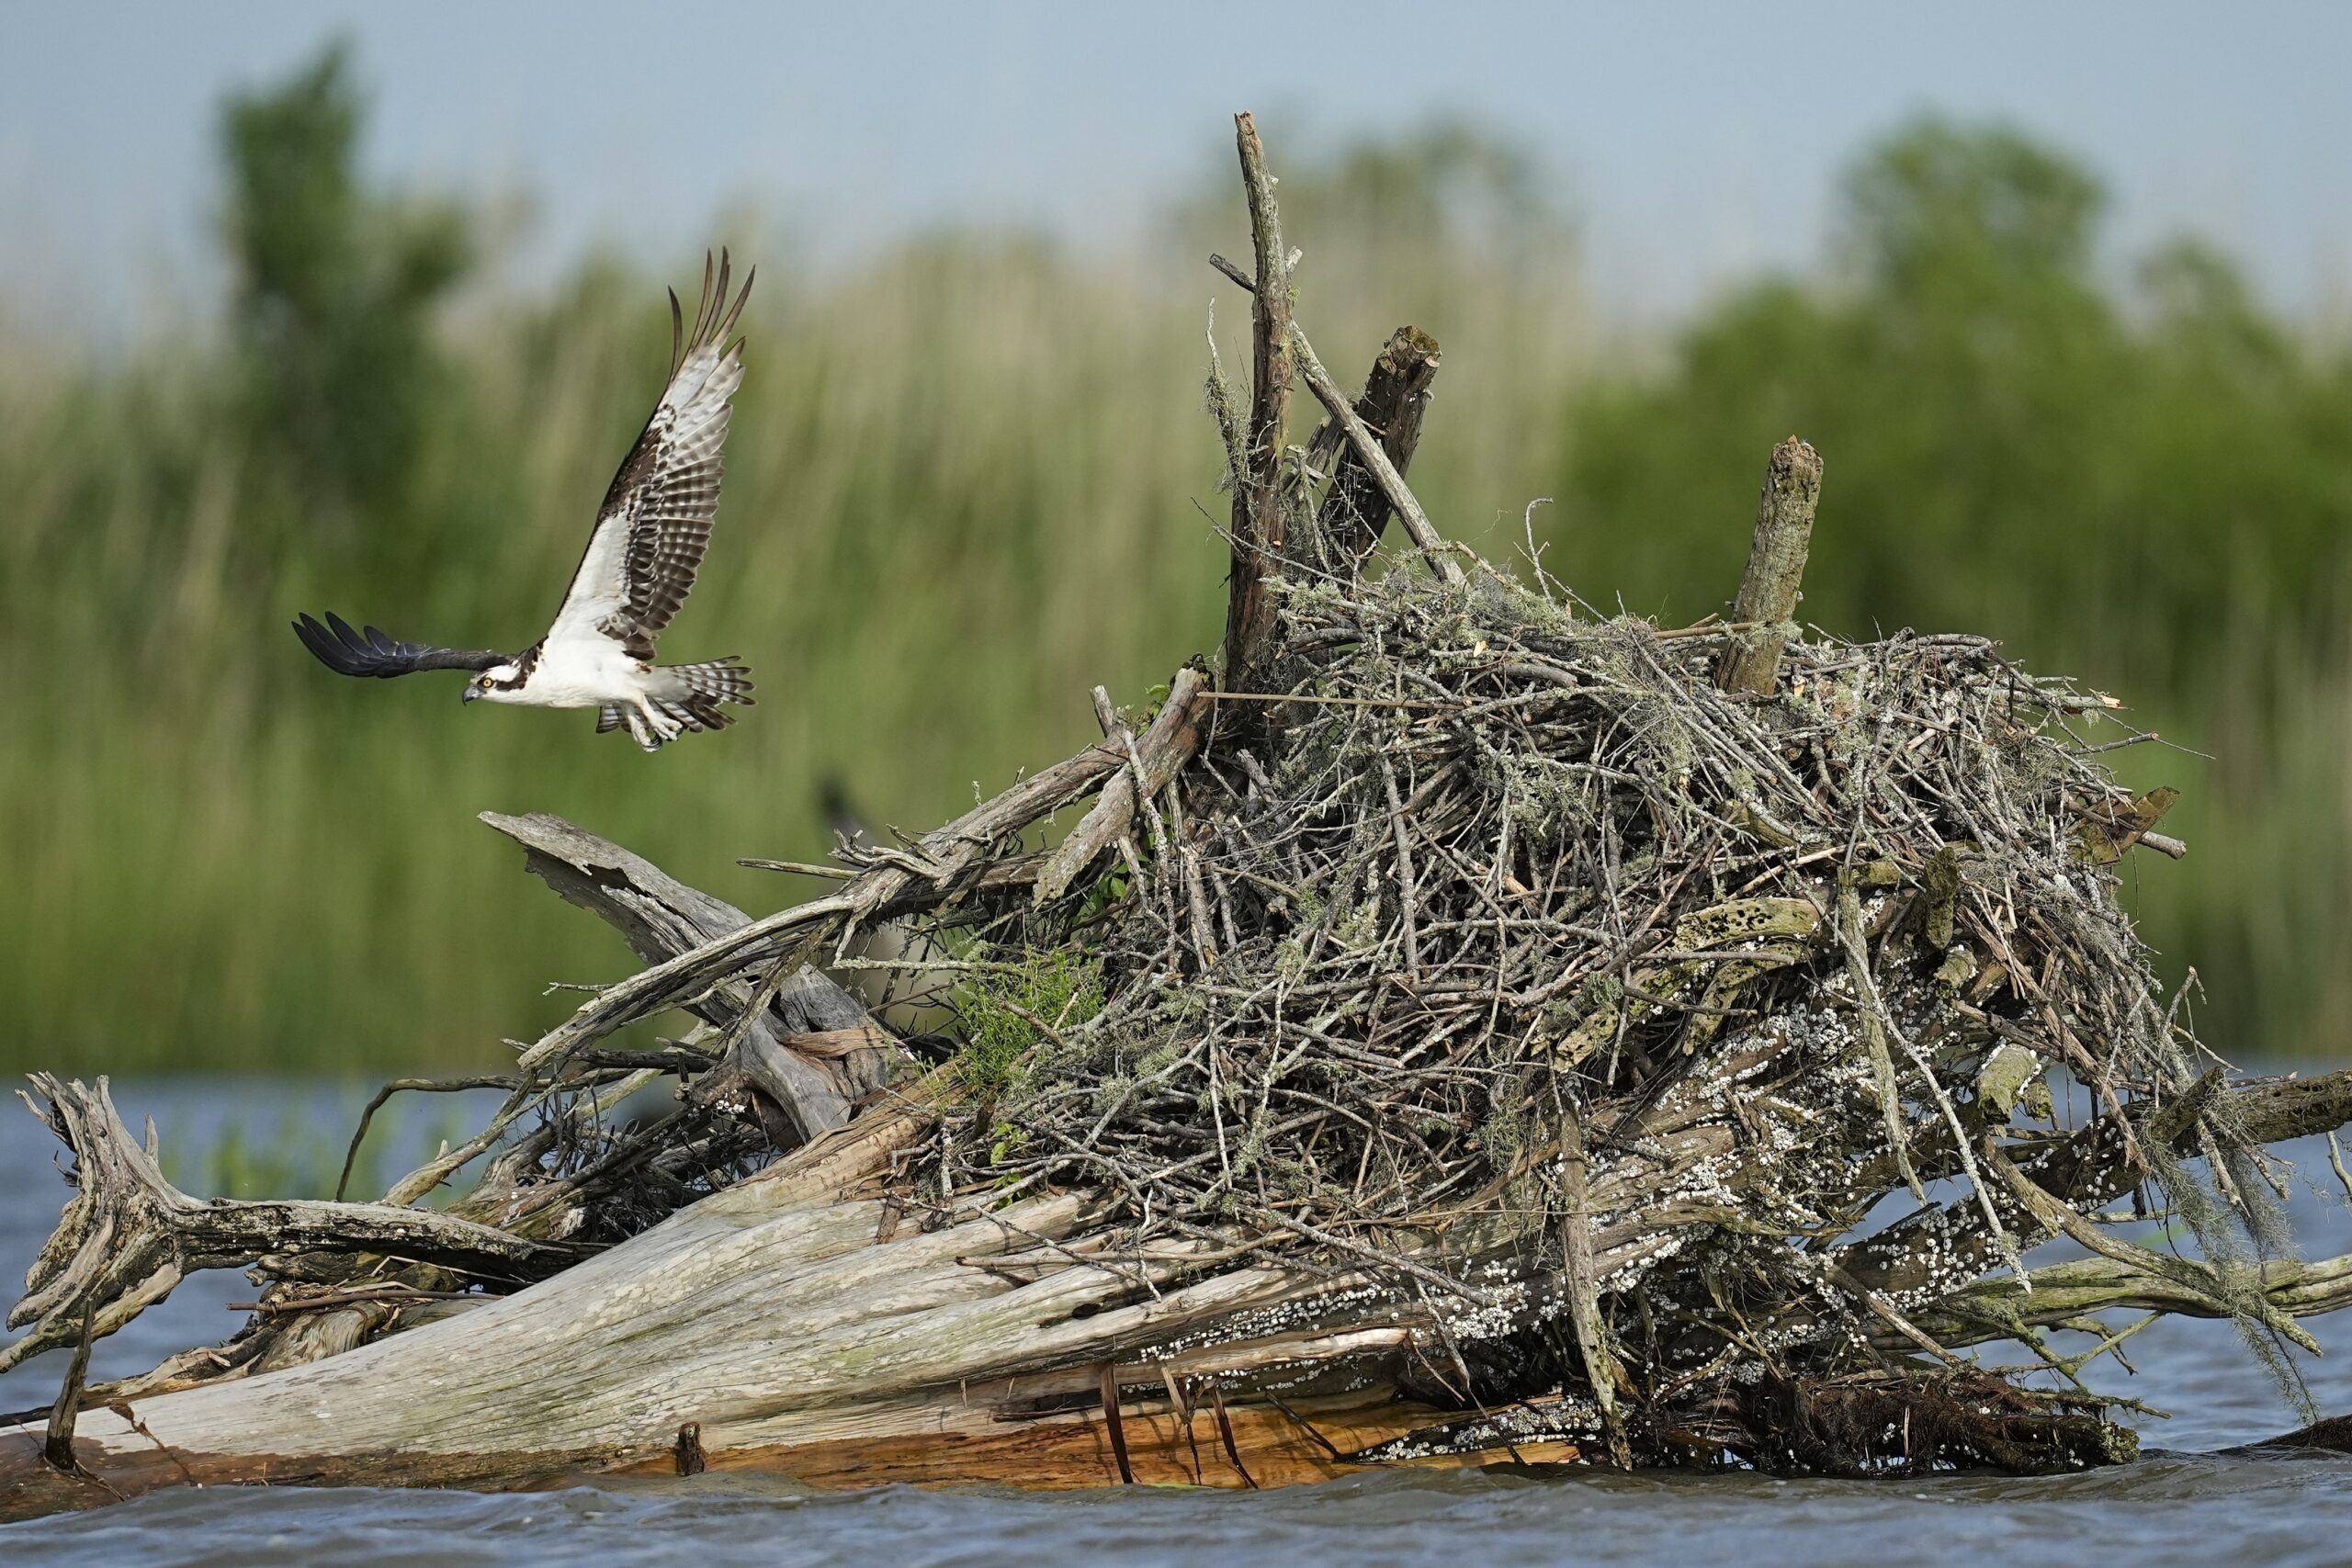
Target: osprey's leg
<point x="650" y="726"/>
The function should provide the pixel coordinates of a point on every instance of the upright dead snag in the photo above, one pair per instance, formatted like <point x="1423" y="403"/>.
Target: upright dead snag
<point x="1260" y="529"/>
<point x="1768" y="593"/>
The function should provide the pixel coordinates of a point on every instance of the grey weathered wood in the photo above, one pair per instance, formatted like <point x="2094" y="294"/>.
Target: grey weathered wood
<point x="1396" y="397"/>
<point x="1767" y="606"/>
<point x="127" y="1235"/>
<point x="791" y="1311"/>
<point x="1260" y="527"/>
<point x="1174" y="736"/>
<point x="661" y="918"/>
<point x="947" y="862"/>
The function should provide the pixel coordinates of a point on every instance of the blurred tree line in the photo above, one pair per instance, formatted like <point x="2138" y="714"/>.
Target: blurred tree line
<point x="966" y="484"/>
<point x="2151" y="486"/>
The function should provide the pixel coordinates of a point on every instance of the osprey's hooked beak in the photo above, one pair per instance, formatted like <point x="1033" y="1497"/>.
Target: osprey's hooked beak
<point x="473" y="689"/>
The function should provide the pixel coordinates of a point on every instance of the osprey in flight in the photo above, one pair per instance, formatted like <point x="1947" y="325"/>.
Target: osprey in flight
<point x="641" y="562"/>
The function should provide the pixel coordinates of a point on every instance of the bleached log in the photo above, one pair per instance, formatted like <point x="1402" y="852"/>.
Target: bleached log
<point x="789" y="1317"/>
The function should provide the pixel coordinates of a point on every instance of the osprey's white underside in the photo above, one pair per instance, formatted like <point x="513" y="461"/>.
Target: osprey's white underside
<point x="593" y="672"/>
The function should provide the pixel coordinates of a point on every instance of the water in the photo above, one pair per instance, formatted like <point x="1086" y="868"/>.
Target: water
<point x="2184" y="1504"/>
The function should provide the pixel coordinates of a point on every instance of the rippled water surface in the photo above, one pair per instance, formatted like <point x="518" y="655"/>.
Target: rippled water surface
<point x="2184" y="1504"/>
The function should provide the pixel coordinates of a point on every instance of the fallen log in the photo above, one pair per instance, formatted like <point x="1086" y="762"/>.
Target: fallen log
<point x="800" y="1328"/>
<point x="1500" y="1046"/>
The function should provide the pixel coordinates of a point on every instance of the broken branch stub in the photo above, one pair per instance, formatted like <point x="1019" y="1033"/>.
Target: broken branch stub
<point x="1766" y="605"/>
<point x="1384" y="473"/>
<point x="1355" y="511"/>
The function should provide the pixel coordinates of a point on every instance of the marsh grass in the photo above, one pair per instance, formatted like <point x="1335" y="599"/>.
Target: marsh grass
<point x="965" y="483"/>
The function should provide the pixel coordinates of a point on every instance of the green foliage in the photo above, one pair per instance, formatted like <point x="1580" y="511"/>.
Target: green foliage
<point x="335" y="286"/>
<point x="2154" y="491"/>
<point x="1941" y="208"/>
<point x="2007" y="445"/>
<point x="1005" y="1010"/>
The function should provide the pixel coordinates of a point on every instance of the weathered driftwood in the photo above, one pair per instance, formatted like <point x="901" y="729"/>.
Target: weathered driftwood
<point x="793" y="1320"/>
<point x="943" y="866"/>
<point x="804" y="1328"/>
<point x="1766" y="605"/>
<point x="799" y="1093"/>
<point x="127" y="1235"/>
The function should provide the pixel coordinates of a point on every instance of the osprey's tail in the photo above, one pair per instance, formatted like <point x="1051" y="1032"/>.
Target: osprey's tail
<point x="678" y="698"/>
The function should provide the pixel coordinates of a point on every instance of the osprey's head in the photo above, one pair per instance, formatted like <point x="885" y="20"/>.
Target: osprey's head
<point x="494" y="682"/>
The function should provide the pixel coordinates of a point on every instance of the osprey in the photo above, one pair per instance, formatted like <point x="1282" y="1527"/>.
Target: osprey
<point x="639" y="564"/>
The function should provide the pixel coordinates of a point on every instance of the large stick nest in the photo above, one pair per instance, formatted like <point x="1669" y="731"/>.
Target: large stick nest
<point x="1429" y="971"/>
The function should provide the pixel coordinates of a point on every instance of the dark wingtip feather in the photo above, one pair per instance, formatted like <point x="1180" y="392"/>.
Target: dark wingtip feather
<point x="736" y="312"/>
<point x="313" y="634"/>
<point x="702" y="309"/>
<point x="324" y="645"/>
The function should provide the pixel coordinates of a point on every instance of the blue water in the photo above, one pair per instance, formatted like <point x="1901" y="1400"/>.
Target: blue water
<point x="2184" y="1504"/>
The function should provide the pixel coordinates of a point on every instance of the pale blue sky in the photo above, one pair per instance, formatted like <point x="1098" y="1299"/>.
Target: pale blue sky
<point x="1695" y="141"/>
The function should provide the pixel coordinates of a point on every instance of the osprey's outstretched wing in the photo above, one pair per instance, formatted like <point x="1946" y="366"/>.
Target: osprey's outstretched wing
<point x="370" y="652"/>
<point x="655" y="521"/>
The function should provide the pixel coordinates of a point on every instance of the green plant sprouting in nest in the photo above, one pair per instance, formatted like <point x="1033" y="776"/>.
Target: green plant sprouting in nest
<point x="1002" y="1010"/>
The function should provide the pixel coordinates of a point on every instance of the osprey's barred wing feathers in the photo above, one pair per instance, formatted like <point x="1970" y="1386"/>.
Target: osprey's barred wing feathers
<point x="655" y="523"/>
<point x="371" y="653"/>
